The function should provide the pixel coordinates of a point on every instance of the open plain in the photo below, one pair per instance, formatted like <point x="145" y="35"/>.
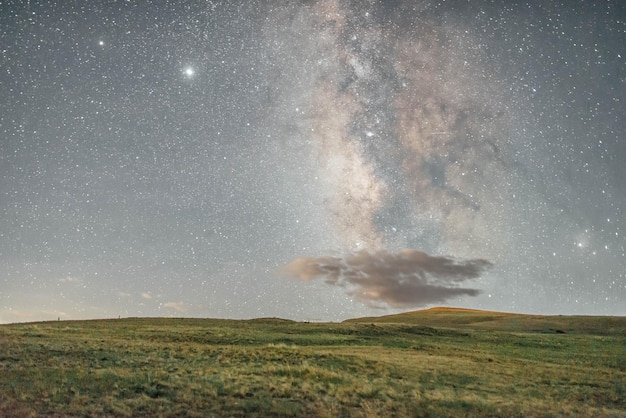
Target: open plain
<point x="437" y="362"/>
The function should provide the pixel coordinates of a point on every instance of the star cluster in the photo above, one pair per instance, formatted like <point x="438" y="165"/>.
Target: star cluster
<point x="168" y="158"/>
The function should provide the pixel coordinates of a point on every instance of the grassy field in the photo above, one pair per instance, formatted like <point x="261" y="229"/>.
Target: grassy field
<point x="439" y="362"/>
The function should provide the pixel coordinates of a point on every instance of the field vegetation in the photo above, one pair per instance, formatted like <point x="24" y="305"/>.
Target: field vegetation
<point x="439" y="362"/>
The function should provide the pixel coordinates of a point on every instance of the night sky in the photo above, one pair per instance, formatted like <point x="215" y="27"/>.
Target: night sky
<point x="311" y="160"/>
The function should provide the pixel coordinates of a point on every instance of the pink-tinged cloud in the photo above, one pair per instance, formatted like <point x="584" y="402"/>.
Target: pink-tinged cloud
<point x="406" y="279"/>
<point x="177" y="306"/>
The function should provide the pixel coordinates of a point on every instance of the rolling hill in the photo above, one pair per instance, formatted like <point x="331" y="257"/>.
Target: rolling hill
<point x="502" y="321"/>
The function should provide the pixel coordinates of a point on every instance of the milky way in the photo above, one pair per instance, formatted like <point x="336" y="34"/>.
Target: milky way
<point x="398" y="149"/>
<point x="405" y="151"/>
<point x="178" y="158"/>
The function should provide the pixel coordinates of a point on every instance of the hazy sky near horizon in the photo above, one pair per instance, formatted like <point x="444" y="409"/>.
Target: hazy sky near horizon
<point x="312" y="160"/>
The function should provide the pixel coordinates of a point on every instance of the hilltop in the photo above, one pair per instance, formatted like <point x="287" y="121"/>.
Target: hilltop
<point x="503" y="321"/>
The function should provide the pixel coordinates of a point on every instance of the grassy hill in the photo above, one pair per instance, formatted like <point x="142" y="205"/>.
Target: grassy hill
<point x="500" y="321"/>
<point x="438" y="362"/>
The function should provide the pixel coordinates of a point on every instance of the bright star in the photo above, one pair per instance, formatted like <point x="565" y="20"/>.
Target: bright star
<point x="189" y="72"/>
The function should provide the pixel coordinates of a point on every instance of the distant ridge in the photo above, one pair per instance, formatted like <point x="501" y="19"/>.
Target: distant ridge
<point x="452" y="309"/>
<point x="269" y="320"/>
<point x="450" y="317"/>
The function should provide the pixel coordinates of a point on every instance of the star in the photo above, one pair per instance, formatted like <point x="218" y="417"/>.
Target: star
<point x="189" y="72"/>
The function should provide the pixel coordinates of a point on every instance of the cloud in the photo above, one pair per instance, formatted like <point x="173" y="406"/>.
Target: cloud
<point x="70" y="279"/>
<point x="406" y="279"/>
<point x="177" y="306"/>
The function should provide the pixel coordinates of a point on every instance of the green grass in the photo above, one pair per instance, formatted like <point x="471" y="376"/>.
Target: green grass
<point x="428" y="363"/>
